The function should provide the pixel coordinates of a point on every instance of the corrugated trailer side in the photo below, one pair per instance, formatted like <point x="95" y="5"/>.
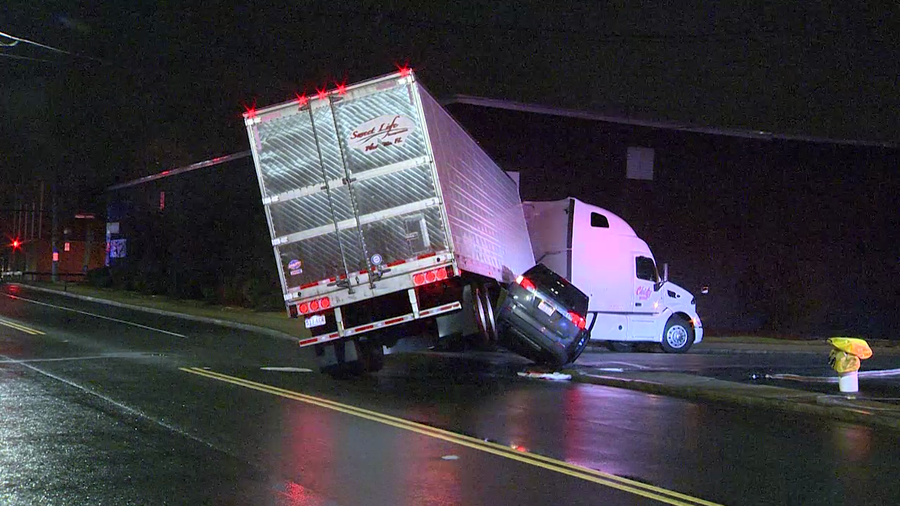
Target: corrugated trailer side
<point x="484" y="210"/>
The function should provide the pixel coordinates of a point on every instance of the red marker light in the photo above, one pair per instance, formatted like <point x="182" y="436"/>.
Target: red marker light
<point x="314" y="306"/>
<point x="16" y="243"/>
<point x="341" y="88"/>
<point x="441" y="273"/>
<point x="325" y="303"/>
<point x="250" y="110"/>
<point x="403" y="69"/>
<point x="322" y="94"/>
<point x="302" y="99"/>
<point x="419" y="279"/>
<point x="304" y="308"/>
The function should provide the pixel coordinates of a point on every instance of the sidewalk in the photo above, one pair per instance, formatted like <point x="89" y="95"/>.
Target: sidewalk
<point x="687" y="386"/>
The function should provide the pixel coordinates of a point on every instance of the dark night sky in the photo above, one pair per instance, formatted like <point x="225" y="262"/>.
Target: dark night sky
<point x="159" y="86"/>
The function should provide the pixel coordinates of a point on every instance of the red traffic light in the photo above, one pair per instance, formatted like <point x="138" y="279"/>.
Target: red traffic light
<point x="16" y="244"/>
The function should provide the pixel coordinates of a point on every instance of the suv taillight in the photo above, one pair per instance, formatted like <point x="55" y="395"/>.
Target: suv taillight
<point x="525" y="283"/>
<point x="577" y="319"/>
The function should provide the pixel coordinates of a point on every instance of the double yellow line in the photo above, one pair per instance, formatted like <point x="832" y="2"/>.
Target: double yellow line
<point x="23" y="328"/>
<point x="609" y="480"/>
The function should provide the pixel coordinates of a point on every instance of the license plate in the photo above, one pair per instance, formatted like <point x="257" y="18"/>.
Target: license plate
<point x="546" y="308"/>
<point x="315" y="320"/>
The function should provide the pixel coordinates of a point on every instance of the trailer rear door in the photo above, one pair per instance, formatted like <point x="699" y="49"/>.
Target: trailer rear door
<point x="348" y="182"/>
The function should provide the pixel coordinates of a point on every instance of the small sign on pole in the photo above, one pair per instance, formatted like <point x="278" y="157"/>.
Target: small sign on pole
<point x="56" y="256"/>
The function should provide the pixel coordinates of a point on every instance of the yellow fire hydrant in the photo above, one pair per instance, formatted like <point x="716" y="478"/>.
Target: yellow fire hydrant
<point x="844" y="358"/>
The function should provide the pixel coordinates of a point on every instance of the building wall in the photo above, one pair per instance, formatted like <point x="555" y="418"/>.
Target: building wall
<point x="199" y="234"/>
<point x="38" y="256"/>
<point x="790" y="237"/>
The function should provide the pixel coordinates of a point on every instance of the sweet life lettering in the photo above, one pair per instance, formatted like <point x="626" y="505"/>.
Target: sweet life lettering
<point x="384" y="131"/>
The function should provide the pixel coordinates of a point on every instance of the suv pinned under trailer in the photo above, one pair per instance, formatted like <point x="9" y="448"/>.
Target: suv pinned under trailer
<point x="383" y="211"/>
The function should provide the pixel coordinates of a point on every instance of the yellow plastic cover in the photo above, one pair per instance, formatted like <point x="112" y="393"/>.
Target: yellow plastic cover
<point x="853" y="346"/>
<point x="843" y="362"/>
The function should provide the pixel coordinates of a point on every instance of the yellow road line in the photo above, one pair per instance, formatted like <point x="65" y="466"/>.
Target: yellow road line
<point x="605" y="479"/>
<point x="23" y="328"/>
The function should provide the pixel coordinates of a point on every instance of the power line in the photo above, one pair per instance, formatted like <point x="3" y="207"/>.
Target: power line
<point x="38" y="44"/>
<point x="17" y="57"/>
<point x="16" y="40"/>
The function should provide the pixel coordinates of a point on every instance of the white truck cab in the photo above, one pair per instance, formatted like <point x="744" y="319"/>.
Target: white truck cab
<point x="600" y="253"/>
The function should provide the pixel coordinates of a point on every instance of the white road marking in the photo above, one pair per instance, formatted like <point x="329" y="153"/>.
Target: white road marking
<point x="627" y="364"/>
<point x="123" y="407"/>
<point x="98" y="316"/>
<point x="286" y="369"/>
<point x="66" y="359"/>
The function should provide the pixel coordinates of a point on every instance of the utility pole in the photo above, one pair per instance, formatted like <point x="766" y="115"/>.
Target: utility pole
<point x="54" y="271"/>
<point x="41" y="213"/>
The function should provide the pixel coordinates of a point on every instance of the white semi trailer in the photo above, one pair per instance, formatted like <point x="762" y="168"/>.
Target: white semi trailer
<point x="383" y="211"/>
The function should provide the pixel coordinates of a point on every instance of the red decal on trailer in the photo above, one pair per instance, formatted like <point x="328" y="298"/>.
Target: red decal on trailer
<point x="396" y="262"/>
<point x="426" y="255"/>
<point x="425" y="313"/>
<point x="308" y="341"/>
<point x="309" y="285"/>
<point x="364" y="328"/>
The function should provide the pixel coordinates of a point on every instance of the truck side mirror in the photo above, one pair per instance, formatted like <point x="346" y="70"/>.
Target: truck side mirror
<point x="704" y="290"/>
<point x="665" y="277"/>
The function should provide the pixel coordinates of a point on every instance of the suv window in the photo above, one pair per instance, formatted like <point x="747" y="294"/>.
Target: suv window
<point x="645" y="269"/>
<point x="562" y="291"/>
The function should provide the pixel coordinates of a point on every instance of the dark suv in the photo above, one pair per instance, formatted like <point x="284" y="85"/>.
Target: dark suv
<point x="543" y="318"/>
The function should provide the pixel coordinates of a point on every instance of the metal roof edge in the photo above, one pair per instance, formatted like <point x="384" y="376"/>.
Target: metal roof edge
<point x="662" y="124"/>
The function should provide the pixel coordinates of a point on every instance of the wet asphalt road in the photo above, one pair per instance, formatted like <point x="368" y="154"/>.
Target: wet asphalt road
<point x="145" y="409"/>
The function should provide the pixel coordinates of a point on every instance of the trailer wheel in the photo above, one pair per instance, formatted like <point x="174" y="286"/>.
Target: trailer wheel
<point x="678" y="335"/>
<point x="371" y="356"/>
<point x="484" y="317"/>
<point x="489" y="315"/>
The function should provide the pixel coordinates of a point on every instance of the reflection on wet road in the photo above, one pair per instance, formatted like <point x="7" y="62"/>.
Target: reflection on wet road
<point x="97" y="412"/>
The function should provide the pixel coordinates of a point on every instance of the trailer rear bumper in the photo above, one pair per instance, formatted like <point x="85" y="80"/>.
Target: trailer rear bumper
<point x="416" y="314"/>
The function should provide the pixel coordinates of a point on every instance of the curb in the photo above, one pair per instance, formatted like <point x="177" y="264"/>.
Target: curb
<point x="202" y="319"/>
<point x="798" y="402"/>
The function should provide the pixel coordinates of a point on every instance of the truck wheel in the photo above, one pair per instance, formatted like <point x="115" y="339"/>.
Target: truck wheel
<point x="619" y="346"/>
<point x="372" y="356"/>
<point x="484" y="318"/>
<point x="678" y="335"/>
<point x="489" y="314"/>
<point x="340" y="367"/>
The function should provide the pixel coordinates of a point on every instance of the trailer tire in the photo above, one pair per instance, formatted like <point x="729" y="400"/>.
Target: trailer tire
<point x="678" y="335"/>
<point x="491" y="318"/>
<point x="372" y="356"/>
<point x="484" y="318"/>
